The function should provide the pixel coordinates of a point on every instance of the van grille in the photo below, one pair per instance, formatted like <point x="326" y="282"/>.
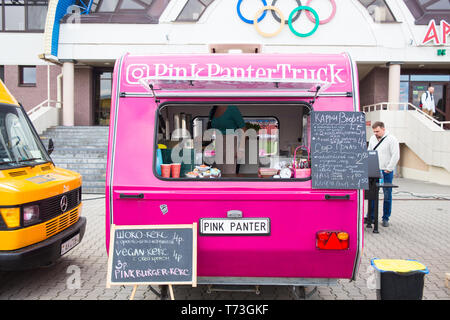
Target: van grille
<point x="18" y="173"/>
<point x="60" y="223"/>
<point x="51" y="208"/>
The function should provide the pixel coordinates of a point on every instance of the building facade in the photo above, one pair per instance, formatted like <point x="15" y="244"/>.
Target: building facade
<point x="400" y="46"/>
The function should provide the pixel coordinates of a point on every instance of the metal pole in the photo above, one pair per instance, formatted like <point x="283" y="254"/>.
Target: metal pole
<point x="48" y="85"/>
<point x="375" y="213"/>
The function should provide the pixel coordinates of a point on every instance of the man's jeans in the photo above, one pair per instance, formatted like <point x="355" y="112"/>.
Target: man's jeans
<point x="387" y="202"/>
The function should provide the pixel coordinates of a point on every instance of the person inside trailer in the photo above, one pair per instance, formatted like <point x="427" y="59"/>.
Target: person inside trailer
<point x="228" y="119"/>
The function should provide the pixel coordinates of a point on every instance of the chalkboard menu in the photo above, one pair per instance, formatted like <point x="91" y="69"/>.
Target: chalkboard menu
<point x="339" y="157"/>
<point x="156" y="254"/>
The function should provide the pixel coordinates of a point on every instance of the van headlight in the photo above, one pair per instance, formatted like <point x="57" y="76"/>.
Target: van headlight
<point x="30" y="215"/>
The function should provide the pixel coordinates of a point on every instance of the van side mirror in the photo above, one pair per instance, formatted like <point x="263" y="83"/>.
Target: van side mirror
<point x="50" y="146"/>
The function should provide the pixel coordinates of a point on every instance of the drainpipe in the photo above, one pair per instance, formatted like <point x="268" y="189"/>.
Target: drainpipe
<point x="48" y="85"/>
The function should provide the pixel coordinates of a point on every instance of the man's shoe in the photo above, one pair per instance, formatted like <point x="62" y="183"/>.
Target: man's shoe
<point x="385" y="223"/>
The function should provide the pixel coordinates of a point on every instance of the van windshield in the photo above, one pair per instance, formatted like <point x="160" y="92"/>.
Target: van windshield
<point x="19" y="145"/>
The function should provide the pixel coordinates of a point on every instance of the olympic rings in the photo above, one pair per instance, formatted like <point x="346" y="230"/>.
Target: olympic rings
<point x="295" y="14"/>
<point x="299" y="4"/>
<point x="304" y="35"/>
<point x="325" y="21"/>
<point x="247" y="20"/>
<point x="274" y="9"/>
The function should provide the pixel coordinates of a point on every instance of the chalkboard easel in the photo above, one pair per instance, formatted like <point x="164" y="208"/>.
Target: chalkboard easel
<point x="152" y="255"/>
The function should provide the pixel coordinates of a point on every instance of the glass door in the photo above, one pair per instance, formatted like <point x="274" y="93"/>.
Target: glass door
<point x="417" y="89"/>
<point x="440" y="97"/>
<point x="102" y="107"/>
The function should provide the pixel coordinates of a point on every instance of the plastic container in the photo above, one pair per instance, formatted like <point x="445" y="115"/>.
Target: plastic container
<point x="400" y="279"/>
<point x="159" y="161"/>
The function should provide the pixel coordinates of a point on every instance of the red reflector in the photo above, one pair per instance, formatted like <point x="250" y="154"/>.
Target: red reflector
<point x="328" y="240"/>
<point x="333" y="243"/>
<point x="323" y="235"/>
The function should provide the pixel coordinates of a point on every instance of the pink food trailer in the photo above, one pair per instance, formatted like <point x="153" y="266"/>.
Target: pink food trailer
<point x="260" y="224"/>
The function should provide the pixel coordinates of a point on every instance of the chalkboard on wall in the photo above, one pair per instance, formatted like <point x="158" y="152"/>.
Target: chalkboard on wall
<point x="339" y="157"/>
<point x="158" y="254"/>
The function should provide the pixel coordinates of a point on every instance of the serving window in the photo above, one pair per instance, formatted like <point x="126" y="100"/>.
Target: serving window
<point x="233" y="141"/>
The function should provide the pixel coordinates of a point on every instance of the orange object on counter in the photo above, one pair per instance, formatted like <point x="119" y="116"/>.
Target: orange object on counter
<point x="165" y="170"/>
<point x="175" y="169"/>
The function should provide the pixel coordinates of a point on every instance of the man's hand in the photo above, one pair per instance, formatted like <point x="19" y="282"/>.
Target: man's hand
<point x="387" y="171"/>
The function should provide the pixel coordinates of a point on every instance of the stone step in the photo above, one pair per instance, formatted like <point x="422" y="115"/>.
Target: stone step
<point x="100" y="137"/>
<point x="78" y="154"/>
<point x="82" y="149"/>
<point x="77" y="166"/>
<point x="93" y="184"/>
<point x="81" y="160"/>
<point x="77" y="144"/>
<point x="103" y="147"/>
<point x="87" y="190"/>
<point x="74" y="136"/>
<point x="92" y="171"/>
<point x="94" y="177"/>
<point x="71" y="128"/>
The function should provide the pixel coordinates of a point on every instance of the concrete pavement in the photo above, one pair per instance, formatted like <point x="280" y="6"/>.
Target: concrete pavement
<point x="419" y="230"/>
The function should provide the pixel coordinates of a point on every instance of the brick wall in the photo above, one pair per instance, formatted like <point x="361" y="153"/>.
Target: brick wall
<point x="374" y="87"/>
<point x="30" y="97"/>
<point x="84" y="84"/>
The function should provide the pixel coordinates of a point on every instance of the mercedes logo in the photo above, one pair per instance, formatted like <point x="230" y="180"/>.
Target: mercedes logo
<point x="63" y="203"/>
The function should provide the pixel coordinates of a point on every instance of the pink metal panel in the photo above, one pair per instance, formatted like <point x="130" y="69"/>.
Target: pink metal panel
<point x="295" y="210"/>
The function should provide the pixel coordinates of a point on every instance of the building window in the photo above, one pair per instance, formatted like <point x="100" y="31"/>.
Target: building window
<point x="426" y="10"/>
<point x="124" y="11"/>
<point x="23" y="15"/>
<point x="107" y="6"/>
<point x="193" y="10"/>
<point x="27" y="76"/>
<point x="379" y="10"/>
<point x="2" y="73"/>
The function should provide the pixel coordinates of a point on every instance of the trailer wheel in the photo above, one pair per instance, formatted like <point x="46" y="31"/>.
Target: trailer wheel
<point x="164" y="295"/>
<point x="300" y="292"/>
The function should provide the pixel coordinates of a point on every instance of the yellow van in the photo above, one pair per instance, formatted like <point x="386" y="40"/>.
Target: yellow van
<point x="40" y="204"/>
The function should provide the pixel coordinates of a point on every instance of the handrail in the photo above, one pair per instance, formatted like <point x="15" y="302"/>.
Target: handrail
<point x="407" y="107"/>
<point x="86" y="8"/>
<point x="45" y="103"/>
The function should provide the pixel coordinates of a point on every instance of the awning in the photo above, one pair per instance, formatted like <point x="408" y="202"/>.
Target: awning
<point x="161" y="87"/>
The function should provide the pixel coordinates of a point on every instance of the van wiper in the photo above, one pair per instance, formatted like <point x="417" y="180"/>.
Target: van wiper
<point x="31" y="159"/>
<point x="7" y="162"/>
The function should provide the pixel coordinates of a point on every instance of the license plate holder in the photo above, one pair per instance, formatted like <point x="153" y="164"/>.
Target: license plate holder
<point x="68" y="245"/>
<point x="234" y="227"/>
